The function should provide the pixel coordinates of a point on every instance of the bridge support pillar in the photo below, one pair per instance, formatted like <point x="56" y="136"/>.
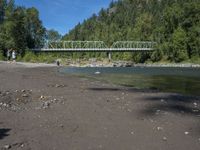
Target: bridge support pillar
<point x="109" y="56"/>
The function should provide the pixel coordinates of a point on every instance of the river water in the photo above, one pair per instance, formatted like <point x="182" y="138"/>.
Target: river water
<point x="178" y="80"/>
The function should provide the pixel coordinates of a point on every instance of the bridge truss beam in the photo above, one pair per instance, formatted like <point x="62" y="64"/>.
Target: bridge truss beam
<point x="96" y="46"/>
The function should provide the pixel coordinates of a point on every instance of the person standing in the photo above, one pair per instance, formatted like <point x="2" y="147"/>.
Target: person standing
<point x="8" y="54"/>
<point x="13" y="55"/>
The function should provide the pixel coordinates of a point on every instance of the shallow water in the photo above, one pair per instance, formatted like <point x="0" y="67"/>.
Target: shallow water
<point x="178" y="80"/>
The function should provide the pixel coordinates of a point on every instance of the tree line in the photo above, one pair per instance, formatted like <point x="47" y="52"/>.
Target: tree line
<point x="173" y="24"/>
<point x="21" y="29"/>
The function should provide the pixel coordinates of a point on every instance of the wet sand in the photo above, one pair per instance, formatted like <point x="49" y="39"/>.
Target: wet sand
<point x="41" y="109"/>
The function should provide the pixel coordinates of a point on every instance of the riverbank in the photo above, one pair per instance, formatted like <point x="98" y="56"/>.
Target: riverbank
<point x="25" y="64"/>
<point x="43" y="109"/>
<point x="105" y="63"/>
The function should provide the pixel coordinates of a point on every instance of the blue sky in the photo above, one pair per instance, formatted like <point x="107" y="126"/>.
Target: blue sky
<point x="63" y="15"/>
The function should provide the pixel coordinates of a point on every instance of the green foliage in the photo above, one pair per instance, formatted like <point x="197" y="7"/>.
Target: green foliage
<point x="38" y="57"/>
<point x="35" y="32"/>
<point x="20" y="28"/>
<point x="179" y="45"/>
<point x="46" y="58"/>
<point x="2" y="10"/>
<point x="1" y="56"/>
<point x="53" y="35"/>
<point x="157" y="55"/>
<point x="143" y="27"/>
<point x="29" y="57"/>
<point x="173" y="24"/>
<point x="195" y="59"/>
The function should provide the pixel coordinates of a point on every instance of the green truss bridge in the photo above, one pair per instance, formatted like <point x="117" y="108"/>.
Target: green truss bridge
<point x="96" y="46"/>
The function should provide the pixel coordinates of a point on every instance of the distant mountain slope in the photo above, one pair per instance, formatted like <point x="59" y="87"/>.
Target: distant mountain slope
<point x="174" y="24"/>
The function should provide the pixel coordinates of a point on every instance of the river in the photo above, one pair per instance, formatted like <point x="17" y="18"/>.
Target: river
<point x="177" y="80"/>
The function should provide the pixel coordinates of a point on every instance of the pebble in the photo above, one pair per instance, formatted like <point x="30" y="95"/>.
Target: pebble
<point x="157" y="112"/>
<point x="7" y="147"/>
<point x="5" y="105"/>
<point x="24" y="95"/>
<point x="159" y="128"/>
<point x="62" y="126"/>
<point x="129" y="110"/>
<point x="45" y="105"/>
<point x="151" y="120"/>
<point x="164" y="139"/>
<point x="132" y="132"/>
<point x="162" y="100"/>
<point x="41" y="97"/>
<point x="117" y="98"/>
<point x="57" y="85"/>
<point x="186" y="133"/>
<point x="195" y="104"/>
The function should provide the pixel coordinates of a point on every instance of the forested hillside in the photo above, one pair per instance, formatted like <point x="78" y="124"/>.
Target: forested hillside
<point x="173" y="24"/>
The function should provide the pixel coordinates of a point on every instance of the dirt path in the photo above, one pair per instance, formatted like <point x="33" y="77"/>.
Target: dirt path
<point x="41" y="109"/>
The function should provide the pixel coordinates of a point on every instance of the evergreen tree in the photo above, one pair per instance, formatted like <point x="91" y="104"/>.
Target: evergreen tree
<point x="2" y="10"/>
<point x="167" y="22"/>
<point x="179" y="45"/>
<point x="20" y="28"/>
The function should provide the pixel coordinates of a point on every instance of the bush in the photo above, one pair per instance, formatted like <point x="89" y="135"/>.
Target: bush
<point x="1" y="56"/>
<point x="46" y="58"/>
<point x="195" y="59"/>
<point x="30" y="57"/>
<point x="157" y="55"/>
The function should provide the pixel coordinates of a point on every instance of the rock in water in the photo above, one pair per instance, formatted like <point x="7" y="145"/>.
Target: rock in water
<point x="97" y="72"/>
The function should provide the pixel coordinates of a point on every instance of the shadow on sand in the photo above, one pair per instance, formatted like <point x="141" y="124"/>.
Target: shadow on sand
<point x="175" y="103"/>
<point x="163" y="103"/>
<point x="4" y="133"/>
<point x="123" y="89"/>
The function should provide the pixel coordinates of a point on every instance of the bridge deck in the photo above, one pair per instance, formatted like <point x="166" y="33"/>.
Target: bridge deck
<point x="92" y="49"/>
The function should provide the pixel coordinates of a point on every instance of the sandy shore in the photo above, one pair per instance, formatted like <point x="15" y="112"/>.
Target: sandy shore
<point x="41" y="109"/>
<point x="25" y="65"/>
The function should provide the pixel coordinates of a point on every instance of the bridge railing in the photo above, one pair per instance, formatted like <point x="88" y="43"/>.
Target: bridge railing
<point x="74" y="44"/>
<point x="133" y="44"/>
